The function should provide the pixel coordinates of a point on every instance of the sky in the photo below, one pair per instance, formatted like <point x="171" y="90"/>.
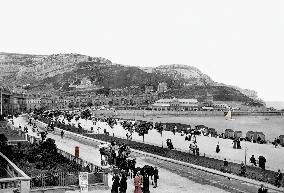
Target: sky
<point x="234" y="42"/>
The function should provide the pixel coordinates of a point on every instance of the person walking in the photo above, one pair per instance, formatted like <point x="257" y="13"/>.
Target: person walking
<point x="278" y="179"/>
<point x="123" y="183"/>
<point x="261" y="162"/>
<point x="115" y="183"/>
<point x="243" y="169"/>
<point x="275" y="143"/>
<point x="156" y="177"/>
<point x="62" y="134"/>
<point x="252" y="160"/>
<point x="217" y="148"/>
<point x="137" y="183"/>
<point x="146" y="183"/>
<point x="226" y="164"/>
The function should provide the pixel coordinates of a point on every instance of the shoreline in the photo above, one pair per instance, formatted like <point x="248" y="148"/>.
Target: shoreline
<point x="271" y="126"/>
<point x="189" y="113"/>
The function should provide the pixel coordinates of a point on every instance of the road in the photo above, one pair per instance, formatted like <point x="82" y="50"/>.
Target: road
<point x="173" y="177"/>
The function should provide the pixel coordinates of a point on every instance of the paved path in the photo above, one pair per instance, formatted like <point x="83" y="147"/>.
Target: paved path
<point x="174" y="176"/>
<point x="169" y="181"/>
<point x="206" y="144"/>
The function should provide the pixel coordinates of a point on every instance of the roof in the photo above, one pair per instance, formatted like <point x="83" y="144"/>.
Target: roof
<point x="164" y="100"/>
<point x="259" y="133"/>
<point x="177" y="100"/>
<point x="200" y="126"/>
<point x="188" y="100"/>
<point x="161" y="104"/>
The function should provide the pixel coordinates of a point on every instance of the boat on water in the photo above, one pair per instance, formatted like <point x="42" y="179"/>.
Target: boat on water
<point x="228" y="116"/>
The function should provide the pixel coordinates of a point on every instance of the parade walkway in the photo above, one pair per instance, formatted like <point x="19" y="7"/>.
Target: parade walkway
<point x="169" y="182"/>
<point x="206" y="144"/>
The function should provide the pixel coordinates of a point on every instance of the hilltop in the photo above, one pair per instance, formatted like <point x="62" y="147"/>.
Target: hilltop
<point x="68" y="72"/>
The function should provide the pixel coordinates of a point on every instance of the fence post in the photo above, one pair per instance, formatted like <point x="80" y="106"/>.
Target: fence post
<point x="92" y="167"/>
<point x="25" y="186"/>
<point x="105" y="179"/>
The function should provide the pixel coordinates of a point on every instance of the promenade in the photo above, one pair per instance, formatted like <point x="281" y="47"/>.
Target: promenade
<point x="206" y="144"/>
<point x="169" y="182"/>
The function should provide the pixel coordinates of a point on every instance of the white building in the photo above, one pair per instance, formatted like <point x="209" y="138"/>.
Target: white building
<point x="176" y="104"/>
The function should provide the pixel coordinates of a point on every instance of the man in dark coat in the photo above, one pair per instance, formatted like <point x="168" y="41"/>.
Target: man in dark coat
<point x="252" y="160"/>
<point x="217" y="148"/>
<point x="62" y="134"/>
<point x="123" y="183"/>
<point x="115" y="184"/>
<point x="261" y="162"/>
<point x="146" y="183"/>
<point x="156" y="177"/>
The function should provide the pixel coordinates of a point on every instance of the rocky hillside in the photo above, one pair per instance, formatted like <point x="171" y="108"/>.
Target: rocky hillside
<point x="189" y="74"/>
<point x="20" y="69"/>
<point x="192" y="76"/>
<point x="66" y="72"/>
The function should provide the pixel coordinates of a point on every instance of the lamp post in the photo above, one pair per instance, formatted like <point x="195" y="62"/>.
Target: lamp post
<point x="246" y="156"/>
<point x="1" y="102"/>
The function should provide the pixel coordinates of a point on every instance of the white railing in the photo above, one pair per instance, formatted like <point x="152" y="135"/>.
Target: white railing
<point x="18" y="180"/>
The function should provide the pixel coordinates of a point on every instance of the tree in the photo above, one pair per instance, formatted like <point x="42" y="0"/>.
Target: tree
<point x="49" y="146"/>
<point x="2" y="118"/>
<point x="160" y="129"/>
<point x="89" y="104"/>
<point x="86" y="114"/>
<point x="142" y="130"/>
<point x="77" y="118"/>
<point x="3" y="140"/>
<point x="70" y="105"/>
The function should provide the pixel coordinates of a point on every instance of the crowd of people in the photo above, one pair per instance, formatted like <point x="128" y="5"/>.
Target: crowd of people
<point x="141" y="180"/>
<point x="124" y="167"/>
<point x="115" y="154"/>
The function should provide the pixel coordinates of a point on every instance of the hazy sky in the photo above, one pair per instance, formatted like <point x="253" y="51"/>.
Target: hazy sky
<point x="235" y="42"/>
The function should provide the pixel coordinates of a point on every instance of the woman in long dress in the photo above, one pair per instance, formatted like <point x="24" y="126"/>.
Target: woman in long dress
<point x="137" y="183"/>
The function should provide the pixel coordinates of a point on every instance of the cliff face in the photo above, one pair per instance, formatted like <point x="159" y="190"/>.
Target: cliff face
<point x="63" y="72"/>
<point x="188" y="74"/>
<point x="21" y="69"/>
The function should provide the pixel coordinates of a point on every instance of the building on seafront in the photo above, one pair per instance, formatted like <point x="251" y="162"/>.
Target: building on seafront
<point x="33" y="102"/>
<point x="12" y="102"/>
<point x="176" y="105"/>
